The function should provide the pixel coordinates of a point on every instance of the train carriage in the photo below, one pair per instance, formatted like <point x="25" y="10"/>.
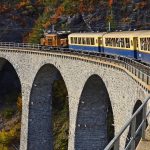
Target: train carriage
<point x="86" y="41"/>
<point x="143" y="52"/>
<point x="122" y="43"/>
<point x="55" y="39"/>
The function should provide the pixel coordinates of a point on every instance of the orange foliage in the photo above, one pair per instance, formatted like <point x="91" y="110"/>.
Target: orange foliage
<point x="19" y="103"/>
<point x="22" y="4"/>
<point x="142" y="4"/>
<point x="110" y="2"/>
<point x="55" y="18"/>
<point x="82" y="7"/>
<point x="4" y="8"/>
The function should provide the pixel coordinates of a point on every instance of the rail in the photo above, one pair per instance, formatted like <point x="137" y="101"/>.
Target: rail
<point x="114" y="143"/>
<point x="141" y="71"/>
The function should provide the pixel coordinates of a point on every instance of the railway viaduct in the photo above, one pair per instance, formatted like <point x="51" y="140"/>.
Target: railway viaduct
<point x="93" y="85"/>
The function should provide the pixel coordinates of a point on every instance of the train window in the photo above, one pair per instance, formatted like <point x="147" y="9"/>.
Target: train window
<point x="99" y="41"/>
<point x="114" y="42"/>
<point x="88" y="41"/>
<point x="117" y="42"/>
<point x="122" y="42"/>
<point x="136" y="42"/>
<point x="50" y="41"/>
<point x="145" y="44"/>
<point x="106" y="41"/>
<point x="142" y="43"/>
<point x="79" y="40"/>
<point x="92" y="41"/>
<point x="148" y="44"/>
<point x="110" y="42"/>
<point x="72" y="40"/>
<point x="127" y="42"/>
<point x="75" y="40"/>
<point x="83" y="41"/>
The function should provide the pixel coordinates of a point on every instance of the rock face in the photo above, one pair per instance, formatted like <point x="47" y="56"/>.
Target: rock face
<point x="16" y="20"/>
<point x="13" y="31"/>
<point x="122" y="16"/>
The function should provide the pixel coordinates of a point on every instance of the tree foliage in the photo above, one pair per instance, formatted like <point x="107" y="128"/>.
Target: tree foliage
<point x="10" y="136"/>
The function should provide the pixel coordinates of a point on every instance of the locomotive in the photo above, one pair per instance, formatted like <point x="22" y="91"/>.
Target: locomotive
<point x="132" y="44"/>
<point x="56" y="39"/>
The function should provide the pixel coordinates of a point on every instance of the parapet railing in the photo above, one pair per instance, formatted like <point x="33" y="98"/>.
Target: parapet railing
<point x="114" y="143"/>
<point x="138" y="69"/>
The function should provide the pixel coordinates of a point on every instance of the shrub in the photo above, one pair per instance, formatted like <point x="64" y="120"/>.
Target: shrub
<point x="8" y="113"/>
<point x="9" y="137"/>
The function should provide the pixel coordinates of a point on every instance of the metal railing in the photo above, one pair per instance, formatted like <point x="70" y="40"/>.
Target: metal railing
<point x="141" y="71"/>
<point x="114" y="143"/>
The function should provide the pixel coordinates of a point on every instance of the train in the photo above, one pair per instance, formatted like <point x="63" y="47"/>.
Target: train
<point x="56" y="39"/>
<point x="132" y="44"/>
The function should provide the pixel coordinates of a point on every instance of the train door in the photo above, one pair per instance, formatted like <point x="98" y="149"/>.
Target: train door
<point x="55" y="40"/>
<point x="49" y="40"/>
<point x="135" y="46"/>
<point x="100" y="44"/>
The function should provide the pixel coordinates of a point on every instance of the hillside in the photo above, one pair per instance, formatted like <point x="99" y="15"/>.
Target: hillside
<point x="25" y="20"/>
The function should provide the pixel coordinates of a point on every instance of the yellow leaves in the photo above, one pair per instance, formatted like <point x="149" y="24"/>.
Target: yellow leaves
<point x="7" y="137"/>
<point x="4" y="8"/>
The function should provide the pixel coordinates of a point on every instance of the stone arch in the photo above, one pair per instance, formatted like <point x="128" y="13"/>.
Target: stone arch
<point x="94" y="127"/>
<point x="40" y="126"/>
<point x="10" y="91"/>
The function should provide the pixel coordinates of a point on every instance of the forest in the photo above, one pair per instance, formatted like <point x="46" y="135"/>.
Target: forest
<point x="30" y="18"/>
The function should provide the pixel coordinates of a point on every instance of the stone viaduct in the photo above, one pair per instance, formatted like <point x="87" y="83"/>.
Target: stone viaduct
<point x="93" y="85"/>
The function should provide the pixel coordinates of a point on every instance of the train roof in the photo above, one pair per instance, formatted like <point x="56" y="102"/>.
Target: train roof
<point x="128" y="33"/>
<point x="140" y="33"/>
<point x="56" y="33"/>
<point x="89" y="34"/>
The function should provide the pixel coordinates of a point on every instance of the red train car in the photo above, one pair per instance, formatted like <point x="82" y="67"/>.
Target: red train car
<point x="58" y="39"/>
